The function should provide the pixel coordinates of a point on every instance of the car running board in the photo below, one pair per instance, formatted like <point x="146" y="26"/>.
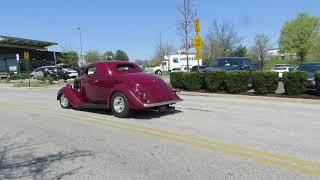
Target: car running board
<point x="92" y="106"/>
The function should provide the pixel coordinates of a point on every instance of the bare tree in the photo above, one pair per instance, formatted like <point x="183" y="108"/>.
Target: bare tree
<point x="187" y="14"/>
<point x="262" y="42"/>
<point x="221" y="39"/>
<point x="163" y="48"/>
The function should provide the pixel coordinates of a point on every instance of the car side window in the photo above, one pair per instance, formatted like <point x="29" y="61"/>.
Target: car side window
<point x="92" y="71"/>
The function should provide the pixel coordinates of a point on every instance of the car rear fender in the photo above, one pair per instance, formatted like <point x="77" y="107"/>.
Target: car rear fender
<point x="133" y="101"/>
<point x="73" y="96"/>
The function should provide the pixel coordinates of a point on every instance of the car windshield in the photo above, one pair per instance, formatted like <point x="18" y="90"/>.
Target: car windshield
<point x="226" y="63"/>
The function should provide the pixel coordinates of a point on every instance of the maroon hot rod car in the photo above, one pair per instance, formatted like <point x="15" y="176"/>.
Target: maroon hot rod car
<point x="121" y="86"/>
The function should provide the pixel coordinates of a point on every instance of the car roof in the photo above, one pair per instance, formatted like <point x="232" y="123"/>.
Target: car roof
<point x="237" y="58"/>
<point x="110" y="63"/>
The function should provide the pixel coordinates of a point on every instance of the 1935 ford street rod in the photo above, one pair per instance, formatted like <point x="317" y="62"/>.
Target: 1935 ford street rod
<point x="119" y="86"/>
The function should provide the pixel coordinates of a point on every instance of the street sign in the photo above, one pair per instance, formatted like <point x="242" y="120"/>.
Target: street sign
<point x="197" y="42"/>
<point x="197" y="25"/>
<point x="26" y="56"/>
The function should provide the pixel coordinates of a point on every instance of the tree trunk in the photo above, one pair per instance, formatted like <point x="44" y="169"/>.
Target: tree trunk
<point x="187" y="60"/>
<point x="301" y="56"/>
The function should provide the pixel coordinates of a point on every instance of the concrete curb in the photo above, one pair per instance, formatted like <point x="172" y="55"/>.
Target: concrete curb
<point x="248" y="97"/>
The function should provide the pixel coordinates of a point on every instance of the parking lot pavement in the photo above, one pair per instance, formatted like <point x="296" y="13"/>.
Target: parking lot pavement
<point x="204" y="138"/>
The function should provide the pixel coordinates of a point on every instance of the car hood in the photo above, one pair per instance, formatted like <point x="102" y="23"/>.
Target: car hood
<point x="154" y="86"/>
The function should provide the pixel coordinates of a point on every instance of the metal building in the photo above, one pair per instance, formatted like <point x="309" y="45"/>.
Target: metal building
<point x="19" y="54"/>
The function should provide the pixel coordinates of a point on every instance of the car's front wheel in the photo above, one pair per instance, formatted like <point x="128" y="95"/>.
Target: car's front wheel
<point x="64" y="102"/>
<point x="119" y="105"/>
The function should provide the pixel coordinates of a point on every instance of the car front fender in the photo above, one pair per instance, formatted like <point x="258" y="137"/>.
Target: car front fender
<point x="73" y="96"/>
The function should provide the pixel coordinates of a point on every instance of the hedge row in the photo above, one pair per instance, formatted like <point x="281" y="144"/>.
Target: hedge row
<point x="265" y="82"/>
<point x="238" y="81"/>
<point x="19" y="75"/>
<point x="215" y="80"/>
<point x="317" y="79"/>
<point x="232" y="81"/>
<point x="295" y="82"/>
<point x="176" y="79"/>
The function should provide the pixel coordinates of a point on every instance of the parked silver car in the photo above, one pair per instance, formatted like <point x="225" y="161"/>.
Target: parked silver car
<point x="281" y="68"/>
<point x="40" y="72"/>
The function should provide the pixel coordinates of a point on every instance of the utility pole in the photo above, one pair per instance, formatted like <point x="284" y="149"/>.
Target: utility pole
<point x="81" y="56"/>
<point x="55" y="64"/>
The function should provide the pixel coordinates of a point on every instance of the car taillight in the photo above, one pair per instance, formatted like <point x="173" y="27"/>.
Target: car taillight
<point x="141" y="94"/>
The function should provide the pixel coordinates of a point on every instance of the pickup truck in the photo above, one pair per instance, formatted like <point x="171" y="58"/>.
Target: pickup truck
<point x="231" y="64"/>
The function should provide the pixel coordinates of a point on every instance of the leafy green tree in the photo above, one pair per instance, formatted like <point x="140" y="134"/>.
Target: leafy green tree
<point x="240" y="51"/>
<point x="92" y="56"/>
<point x="297" y="35"/>
<point x="121" y="56"/>
<point x="69" y="57"/>
<point x="108" y="55"/>
<point x="315" y="51"/>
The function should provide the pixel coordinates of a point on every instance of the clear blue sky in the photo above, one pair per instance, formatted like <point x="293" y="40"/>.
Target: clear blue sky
<point x="135" y="25"/>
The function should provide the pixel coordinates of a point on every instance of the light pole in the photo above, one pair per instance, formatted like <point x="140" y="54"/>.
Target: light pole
<point x="81" y="56"/>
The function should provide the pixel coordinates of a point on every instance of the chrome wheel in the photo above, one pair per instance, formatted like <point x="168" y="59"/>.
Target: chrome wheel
<point x="64" y="102"/>
<point x="118" y="104"/>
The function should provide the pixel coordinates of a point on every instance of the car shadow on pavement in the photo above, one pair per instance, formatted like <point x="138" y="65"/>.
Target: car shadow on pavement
<point x="149" y="115"/>
<point x="139" y="115"/>
<point x="19" y="161"/>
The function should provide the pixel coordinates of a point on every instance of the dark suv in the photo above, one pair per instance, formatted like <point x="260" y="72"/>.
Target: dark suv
<point x="311" y="69"/>
<point x="231" y="64"/>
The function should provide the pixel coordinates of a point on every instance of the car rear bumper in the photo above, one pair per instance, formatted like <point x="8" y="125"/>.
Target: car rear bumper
<point x="161" y="103"/>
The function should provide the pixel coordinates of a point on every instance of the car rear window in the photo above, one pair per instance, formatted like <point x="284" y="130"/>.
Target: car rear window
<point x="125" y="67"/>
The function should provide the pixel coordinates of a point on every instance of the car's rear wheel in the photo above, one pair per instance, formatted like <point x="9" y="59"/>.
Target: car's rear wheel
<point x="64" y="102"/>
<point x="119" y="105"/>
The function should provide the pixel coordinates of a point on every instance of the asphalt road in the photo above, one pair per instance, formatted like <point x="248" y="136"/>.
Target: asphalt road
<point x="219" y="137"/>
